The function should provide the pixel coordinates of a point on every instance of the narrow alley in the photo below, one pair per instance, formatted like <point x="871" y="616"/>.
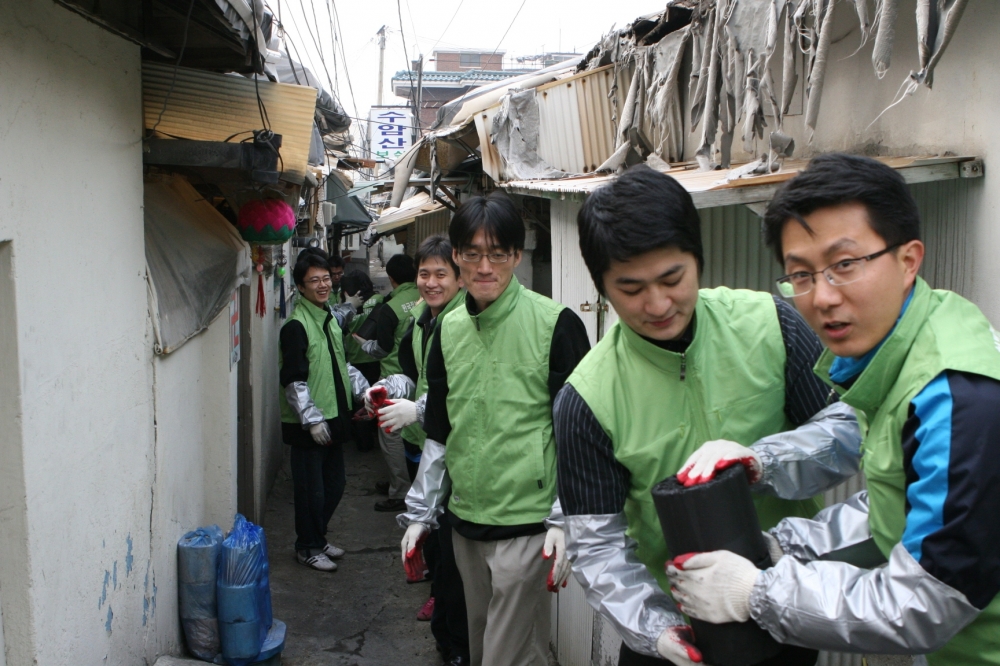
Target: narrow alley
<point x="363" y="614"/>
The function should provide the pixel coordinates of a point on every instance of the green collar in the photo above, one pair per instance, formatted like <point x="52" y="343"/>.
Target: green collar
<point x="872" y="386"/>
<point x="497" y="311"/>
<point x="402" y="287"/>
<point x="319" y="315"/>
<point x="666" y="360"/>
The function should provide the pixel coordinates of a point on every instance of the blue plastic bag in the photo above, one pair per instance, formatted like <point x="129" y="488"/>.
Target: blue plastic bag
<point x="197" y="563"/>
<point x="244" y="594"/>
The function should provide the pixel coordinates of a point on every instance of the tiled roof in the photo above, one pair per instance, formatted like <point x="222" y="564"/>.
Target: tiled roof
<point x="467" y="77"/>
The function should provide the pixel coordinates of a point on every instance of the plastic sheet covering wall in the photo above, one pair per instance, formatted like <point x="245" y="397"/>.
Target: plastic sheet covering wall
<point x="213" y="107"/>
<point x="576" y="131"/>
<point x="194" y="258"/>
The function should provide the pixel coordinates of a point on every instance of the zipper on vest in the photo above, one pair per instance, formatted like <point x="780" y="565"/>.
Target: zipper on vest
<point x="684" y="365"/>
<point x="476" y="319"/>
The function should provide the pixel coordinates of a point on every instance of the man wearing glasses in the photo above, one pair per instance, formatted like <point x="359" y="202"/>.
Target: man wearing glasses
<point x="922" y="369"/>
<point x="319" y="387"/>
<point x="685" y="371"/>
<point x="493" y="370"/>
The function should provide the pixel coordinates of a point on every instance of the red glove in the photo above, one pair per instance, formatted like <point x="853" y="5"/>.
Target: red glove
<point x="379" y="395"/>
<point x="416" y="568"/>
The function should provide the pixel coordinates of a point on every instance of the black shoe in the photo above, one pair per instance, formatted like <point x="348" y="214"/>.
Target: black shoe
<point x="391" y="505"/>
<point x="460" y="661"/>
<point x="382" y="487"/>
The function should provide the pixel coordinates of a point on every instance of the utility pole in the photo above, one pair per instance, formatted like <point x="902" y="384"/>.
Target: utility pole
<point x="420" y="91"/>
<point x="381" y="62"/>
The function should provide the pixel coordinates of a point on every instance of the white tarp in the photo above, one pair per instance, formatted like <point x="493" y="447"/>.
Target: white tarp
<point x="194" y="259"/>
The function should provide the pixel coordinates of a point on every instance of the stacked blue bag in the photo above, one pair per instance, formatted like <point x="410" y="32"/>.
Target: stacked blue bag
<point x="225" y="595"/>
<point x="197" y="562"/>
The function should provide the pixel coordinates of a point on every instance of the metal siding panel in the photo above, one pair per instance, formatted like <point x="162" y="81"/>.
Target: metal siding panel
<point x="571" y="283"/>
<point x="945" y="225"/>
<point x="735" y="254"/>
<point x="576" y="132"/>
<point x="576" y="624"/>
<point x="205" y="106"/>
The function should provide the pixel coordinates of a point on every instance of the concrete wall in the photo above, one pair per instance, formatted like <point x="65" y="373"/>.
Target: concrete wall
<point x="107" y="453"/>
<point x="957" y="115"/>
<point x="71" y="207"/>
<point x="268" y="448"/>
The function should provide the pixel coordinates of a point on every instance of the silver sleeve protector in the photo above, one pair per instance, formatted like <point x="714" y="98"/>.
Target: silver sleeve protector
<point x="359" y="383"/>
<point x="816" y="456"/>
<point x="425" y="501"/>
<point x="834" y="528"/>
<point x="371" y="348"/>
<point x="301" y="402"/>
<point x="895" y="609"/>
<point x="556" y="517"/>
<point x="398" y="386"/>
<point x="421" y="403"/>
<point x="344" y="314"/>
<point x="616" y="583"/>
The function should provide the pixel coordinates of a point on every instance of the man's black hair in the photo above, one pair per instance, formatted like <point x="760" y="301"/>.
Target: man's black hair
<point x="336" y="261"/>
<point x="355" y="282"/>
<point x="640" y="211"/>
<point x="496" y="215"/>
<point x="307" y="260"/>
<point x="836" y="178"/>
<point x="401" y="269"/>
<point x="437" y="246"/>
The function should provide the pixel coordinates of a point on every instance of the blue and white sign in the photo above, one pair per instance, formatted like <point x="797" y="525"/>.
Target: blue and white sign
<point x="391" y="132"/>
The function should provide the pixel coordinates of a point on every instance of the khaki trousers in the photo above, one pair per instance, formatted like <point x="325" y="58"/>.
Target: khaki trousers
<point x="506" y="599"/>
<point x="395" y="459"/>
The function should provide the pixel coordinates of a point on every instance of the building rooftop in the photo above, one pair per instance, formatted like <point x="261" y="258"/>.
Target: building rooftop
<point x="463" y="78"/>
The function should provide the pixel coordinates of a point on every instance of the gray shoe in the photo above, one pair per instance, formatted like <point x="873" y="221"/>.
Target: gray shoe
<point x="318" y="562"/>
<point x="333" y="552"/>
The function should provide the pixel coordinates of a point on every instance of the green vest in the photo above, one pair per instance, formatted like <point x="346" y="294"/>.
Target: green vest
<point x="401" y="301"/>
<point x="501" y="453"/>
<point x="414" y="433"/>
<point x="658" y="407"/>
<point x="352" y="347"/>
<point x="323" y="333"/>
<point x="939" y="331"/>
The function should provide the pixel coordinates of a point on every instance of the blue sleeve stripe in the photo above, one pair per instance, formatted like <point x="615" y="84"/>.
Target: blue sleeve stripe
<point x="926" y="496"/>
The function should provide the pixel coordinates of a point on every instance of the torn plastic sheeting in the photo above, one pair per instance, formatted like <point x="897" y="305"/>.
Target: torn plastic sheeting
<point x="515" y="135"/>
<point x="195" y="259"/>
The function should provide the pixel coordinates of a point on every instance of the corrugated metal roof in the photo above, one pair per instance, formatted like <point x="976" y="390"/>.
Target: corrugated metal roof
<point x="466" y="77"/>
<point x="576" y="133"/>
<point x="212" y="107"/>
<point x="411" y="209"/>
<point x="713" y="188"/>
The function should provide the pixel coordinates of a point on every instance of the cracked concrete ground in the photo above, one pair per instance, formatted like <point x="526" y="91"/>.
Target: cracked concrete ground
<point x="364" y="614"/>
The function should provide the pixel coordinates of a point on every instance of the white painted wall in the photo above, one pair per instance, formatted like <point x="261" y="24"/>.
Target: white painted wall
<point x="268" y="448"/>
<point x="107" y="454"/>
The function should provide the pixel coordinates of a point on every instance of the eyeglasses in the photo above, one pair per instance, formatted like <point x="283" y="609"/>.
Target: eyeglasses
<point x="839" y="274"/>
<point x="493" y="258"/>
<point x="312" y="282"/>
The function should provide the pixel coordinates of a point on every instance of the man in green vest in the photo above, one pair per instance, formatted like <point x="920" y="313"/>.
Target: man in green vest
<point x="922" y="369"/>
<point x="682" y="368"/>
<point x="393" y="320"/>
<point x="357" y="285"/>
<point x="336" y="275"/>
<point x="440" y="285"/>
<point x="319" y="387"/>
<point x="489" y="460"/>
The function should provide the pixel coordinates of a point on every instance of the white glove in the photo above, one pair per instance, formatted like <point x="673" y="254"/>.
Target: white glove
<point x="397" y="414"/>
<point x="357" y="300"/>
<point x="677" y="645"/>
<point x="415" y="533"/>
<point x="716" y="456"/>
<point x="773" y="548"/>
<point x="555" y="546"/>
<point x="714" y="587"/>
<point x="321" y="433"/>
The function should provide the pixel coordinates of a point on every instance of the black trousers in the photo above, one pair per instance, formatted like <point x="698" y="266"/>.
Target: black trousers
<point x="318" y="481"/>
<point x="449" y="623"/>
<point x="790" y="655"/>
<point x="365" y="433"/>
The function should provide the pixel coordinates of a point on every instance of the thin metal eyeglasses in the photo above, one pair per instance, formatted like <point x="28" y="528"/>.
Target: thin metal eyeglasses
<point x="493" y="258"/>
<point x="839" y="274"/>
<point x="312" y="282"/>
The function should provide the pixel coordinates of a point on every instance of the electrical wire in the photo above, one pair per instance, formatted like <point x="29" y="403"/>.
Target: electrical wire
<point x="445" y="31"/>
<point x="505" y="33"/>
<point x="409" y="65"/>
<point x="180" y="56"/>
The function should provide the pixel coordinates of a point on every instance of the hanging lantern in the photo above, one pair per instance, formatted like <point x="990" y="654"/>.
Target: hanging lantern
<point x="266" y="221"/>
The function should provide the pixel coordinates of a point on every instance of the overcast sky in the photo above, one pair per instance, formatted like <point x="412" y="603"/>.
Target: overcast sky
<point x="541" y="26"/>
